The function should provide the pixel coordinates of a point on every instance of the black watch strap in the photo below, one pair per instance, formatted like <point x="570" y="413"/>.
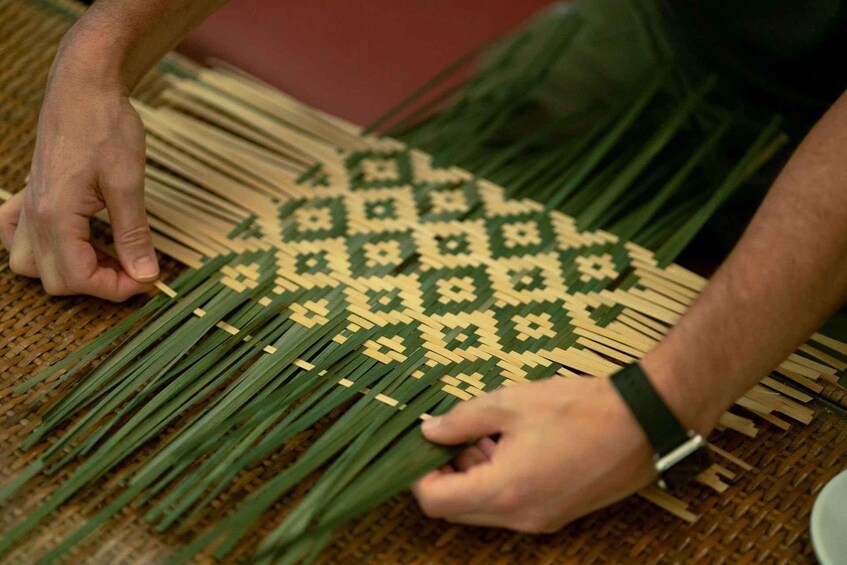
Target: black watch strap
<point x="663" y="430"/>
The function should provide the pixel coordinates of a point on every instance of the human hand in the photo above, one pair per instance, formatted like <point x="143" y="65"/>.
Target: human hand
<point x="89" y="156"/>
<point x="567" y="447"/>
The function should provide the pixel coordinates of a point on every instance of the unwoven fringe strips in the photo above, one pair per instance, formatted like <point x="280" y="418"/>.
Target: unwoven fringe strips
<point x="331" y="269"/>
<point x="587" y="109"/>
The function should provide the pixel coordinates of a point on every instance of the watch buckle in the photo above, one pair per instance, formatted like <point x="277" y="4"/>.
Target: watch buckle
<point x="680" y="452"/>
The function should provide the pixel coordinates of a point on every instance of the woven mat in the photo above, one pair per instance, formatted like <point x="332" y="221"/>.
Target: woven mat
<point x="762" y="517"/>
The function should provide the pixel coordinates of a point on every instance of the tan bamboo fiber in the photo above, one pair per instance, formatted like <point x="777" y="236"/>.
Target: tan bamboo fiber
<point x="762" y="516"/>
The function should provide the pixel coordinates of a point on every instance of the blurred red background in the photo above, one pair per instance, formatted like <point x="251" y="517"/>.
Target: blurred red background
<point x="354" y="59"/>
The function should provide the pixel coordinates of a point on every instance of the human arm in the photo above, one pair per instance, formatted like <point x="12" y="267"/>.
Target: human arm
<point x="570" y="446"/>
<point x="89" y="152"/>
<point x="781" y="282"/>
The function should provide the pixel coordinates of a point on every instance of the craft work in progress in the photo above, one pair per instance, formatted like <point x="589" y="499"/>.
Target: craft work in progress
<point x="344" y="284"/>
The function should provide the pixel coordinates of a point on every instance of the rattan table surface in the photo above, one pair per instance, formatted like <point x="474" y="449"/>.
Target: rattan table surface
<point x="762" y="518"/>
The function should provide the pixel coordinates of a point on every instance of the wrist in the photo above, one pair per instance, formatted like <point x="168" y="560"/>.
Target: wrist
<point x="91" y="56"/>
<point x="688" y="397"/>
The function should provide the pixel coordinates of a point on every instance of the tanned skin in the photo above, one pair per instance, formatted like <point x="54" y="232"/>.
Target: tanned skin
<point x="89" y="152"/>
<point x="567" y="446"/>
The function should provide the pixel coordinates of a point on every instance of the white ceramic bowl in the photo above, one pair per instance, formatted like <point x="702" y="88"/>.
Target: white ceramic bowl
<point x="829" y="522"/>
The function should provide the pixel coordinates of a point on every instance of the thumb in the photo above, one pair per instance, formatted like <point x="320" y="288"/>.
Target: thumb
<point x="10" y="213"/>
<point x="133" y="240"/>
<point x="467" y="421"/>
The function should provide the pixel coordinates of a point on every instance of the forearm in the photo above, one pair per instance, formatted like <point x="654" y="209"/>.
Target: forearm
<point x="89" y="152"/>
<point x="785" y="276"/>
<point x="117" y="41"/>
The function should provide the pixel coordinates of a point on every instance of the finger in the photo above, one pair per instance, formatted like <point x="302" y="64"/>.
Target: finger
<point x="470" y="457"/>
<point x="530" y="524"/>
<point x="106" y="260"/>
<point x="72" y="265"/>
<point x="486" y="519"/>
<point x="133" y="241"/>
<point x="21" y="258"/>
<point x="441" y="494"/>
<point x="10" y="213"/>
<point x="444" y="469"/>
<point x="467" y="421"/>
<point x="101" y="281"/>
<point x="487" y="445"/>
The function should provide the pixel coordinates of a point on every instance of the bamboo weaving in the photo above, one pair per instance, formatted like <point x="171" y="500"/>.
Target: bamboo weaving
<point x="334" y="270"/>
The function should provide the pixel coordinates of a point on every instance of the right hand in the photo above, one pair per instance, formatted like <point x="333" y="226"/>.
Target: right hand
<point x="89" y="155"/>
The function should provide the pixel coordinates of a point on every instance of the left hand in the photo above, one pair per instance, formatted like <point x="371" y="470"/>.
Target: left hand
<point x="567" y="447"/>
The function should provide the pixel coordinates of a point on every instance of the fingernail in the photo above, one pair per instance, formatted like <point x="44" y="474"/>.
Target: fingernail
<point x="431" y="423"/>
<point x="146" y="267"/>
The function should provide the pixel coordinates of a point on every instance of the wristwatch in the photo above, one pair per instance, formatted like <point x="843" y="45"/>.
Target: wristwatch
<point x="680" y="454"/>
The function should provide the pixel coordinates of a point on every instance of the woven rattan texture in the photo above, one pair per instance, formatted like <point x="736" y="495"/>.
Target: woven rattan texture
<point x="763" y="517"/>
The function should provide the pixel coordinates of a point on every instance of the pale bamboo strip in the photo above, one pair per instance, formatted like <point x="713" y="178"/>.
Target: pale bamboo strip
<point x="658" y="327"/>
<point x="710" y="478"/>
<point x="632" y="342"/>
<point x="272" y="101"/>
<point x="177" y="251"/>
<point x="225" y="155"/>
<point x="800" y="369"/>
<point x="182" y="201"/>
<point x="721" y="470"/>
<point x="673" y="273"/>
<point x="766" y="416"/>
<point x="213" y="162"/>
<point x="631" y="322"/>
<point x="606" y="351"/>
<point x="581" y="361"/>
<point x="821" y="356"/>
<point x="317" y="151"/>
<point x="786" y="390"/>
<point x="176" y="234"/>
<point x="669" y="502"/>
<point x="261" y="155"/>
<point x="232" y="111"/>
<point x="629" y="351"/>
<point x="214" y="238"/>
<point x="745" y="426"/>
<point x="664" y="286"/>
<point x="685" y="277"/>
<point x="194" y="223"/>
<point x="833" y="379"/>
<point x="284" y="152"/>
<point x="813" y="365"/>
<point x="800" y="379"/>
<point x="772" y="400"/>
<point x="233" y="210"/>
<point x="639" y="304"/>
<point x="730" y="457"/>
<point x="833" y="344"/>
<point x="196" y="210"/>
<point x="632" y="335"/>
<point x="165" y="289"/>
<point x="212" y="180"/>
<point x="284" y="108"/>
<point x="658" y="299"/>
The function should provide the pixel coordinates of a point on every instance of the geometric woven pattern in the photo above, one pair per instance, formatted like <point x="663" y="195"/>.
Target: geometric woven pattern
<point x="331" y="270"/>
<point x="327" y="265"/>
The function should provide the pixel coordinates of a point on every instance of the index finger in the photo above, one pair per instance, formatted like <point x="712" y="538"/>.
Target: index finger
<point x="447" y="493"/>
<point x="10" y="212"/>
<point x="77" y="264"/>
